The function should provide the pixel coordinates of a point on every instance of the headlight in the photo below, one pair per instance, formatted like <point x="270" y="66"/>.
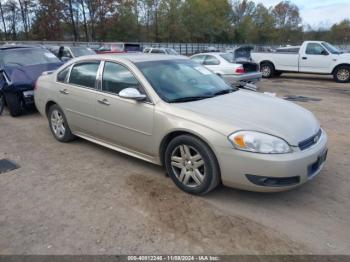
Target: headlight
<point x="259" y="143"/>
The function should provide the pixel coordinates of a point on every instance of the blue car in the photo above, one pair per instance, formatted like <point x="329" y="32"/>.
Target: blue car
<point x="20" y="67"/>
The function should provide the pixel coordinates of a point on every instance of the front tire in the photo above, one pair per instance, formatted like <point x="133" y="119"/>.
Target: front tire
<point x="59" y="125"/>
<point x="342" y="74"/>
<point x="192" y="165"/>
<point x="267" y="69"/>
<point x="14" y="104"/>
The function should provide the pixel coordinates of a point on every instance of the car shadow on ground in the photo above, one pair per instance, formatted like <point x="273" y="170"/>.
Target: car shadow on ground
<point x="305" y="77"/>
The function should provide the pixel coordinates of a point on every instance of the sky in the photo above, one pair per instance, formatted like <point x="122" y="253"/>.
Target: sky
<point x="318" y="13"/>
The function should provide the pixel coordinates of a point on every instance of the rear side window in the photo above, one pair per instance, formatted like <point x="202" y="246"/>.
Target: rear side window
<point x="84" y="74"/>
<point x="62" y="76"/>
<point x="211" y="60"/>
<point x="157" y="51"/>
<point x="198" y="59"/>
<point x="116" y="78"/>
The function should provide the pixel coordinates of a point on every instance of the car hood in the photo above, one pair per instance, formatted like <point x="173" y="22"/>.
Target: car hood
<point x="345" y="56"/>
<point x="27" y="75"/>
<point x="246" y="110"/>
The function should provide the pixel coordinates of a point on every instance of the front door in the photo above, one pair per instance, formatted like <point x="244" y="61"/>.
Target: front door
<point x="315" y="60"/>
<point x="124" y="122"/>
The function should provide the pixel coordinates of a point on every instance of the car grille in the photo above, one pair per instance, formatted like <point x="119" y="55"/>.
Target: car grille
<point x="310" y="141"/>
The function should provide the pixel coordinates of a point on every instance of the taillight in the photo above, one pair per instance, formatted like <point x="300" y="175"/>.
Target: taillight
<point x="239" y="70"/>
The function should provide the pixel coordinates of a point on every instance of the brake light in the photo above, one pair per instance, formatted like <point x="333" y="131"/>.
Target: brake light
<point x="239" y="70"/>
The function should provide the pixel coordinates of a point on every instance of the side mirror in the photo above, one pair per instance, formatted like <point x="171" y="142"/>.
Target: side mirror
<point x="324" y="52"/>
<point x="132" y="93"/>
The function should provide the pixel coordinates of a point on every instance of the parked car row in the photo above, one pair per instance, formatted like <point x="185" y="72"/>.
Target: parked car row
<point x="21" y="65"/>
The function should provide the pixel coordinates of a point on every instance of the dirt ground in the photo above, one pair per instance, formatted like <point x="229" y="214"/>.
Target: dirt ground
<point x="81" y="198"/>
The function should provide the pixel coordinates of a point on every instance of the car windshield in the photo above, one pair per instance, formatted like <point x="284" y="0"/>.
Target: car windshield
<point x="331" y="48"/>
<point x="81" y="51"/>
<point x="182" y="80"/>
<point x="27" y="56"/>
<point x="229" y="57"/>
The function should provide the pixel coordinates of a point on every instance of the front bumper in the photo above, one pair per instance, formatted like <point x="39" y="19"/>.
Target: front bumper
<point x="236" y="167"/>
<point x="248" y="77"/>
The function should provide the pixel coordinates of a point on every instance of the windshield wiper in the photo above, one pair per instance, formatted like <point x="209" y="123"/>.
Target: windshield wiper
<point x="189" y="99"/>
<point x="225" y="91"/>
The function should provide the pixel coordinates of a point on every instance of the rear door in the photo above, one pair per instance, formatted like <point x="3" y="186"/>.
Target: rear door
<point x="316" y="59"/>
<point x="77" y="96"/>
<point x="124" y="122"/>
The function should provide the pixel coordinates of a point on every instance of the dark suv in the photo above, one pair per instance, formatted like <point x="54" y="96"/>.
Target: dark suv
<point x="20" y="67"/>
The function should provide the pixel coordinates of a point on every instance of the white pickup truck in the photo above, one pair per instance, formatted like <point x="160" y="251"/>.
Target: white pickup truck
<point x="314" y="57"/>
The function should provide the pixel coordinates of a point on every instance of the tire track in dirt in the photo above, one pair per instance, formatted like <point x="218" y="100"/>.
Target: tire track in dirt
<point x="202" y="225"/>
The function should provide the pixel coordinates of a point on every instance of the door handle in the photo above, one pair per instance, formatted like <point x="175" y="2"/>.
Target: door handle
<point x="304" y="58"/>
<point x="103" y="101"/>
<point x="64" y="91"/>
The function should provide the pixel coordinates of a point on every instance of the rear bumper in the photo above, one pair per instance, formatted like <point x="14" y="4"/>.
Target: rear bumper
<point x="248" y="77"/>
<point x="247" y="170"/>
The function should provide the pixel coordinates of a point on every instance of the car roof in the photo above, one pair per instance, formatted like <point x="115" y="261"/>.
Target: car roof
<point x="135" y="57"/>
<point x="9" y="47"/>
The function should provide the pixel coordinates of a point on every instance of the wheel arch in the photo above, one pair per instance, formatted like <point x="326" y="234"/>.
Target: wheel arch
<point x="267" y="62"/>
<point x="175" y="133"/>
<point x="337" y="66"/>
<point x="48" y="105"/>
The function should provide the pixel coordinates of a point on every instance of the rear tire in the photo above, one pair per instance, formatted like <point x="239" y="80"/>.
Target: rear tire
<point x="342" y="74"/>
<point x="14" y="104"/>
<point x="59" y="125"/>
<point x="267" y="69"/>
<point x="192" y="165"/>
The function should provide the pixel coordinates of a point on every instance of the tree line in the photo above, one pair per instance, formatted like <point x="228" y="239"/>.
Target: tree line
<point x="209" y="21"/>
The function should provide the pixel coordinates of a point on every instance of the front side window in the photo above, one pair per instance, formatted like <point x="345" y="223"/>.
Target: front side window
<point x="182" y="80"/>
<point x="211" y="60"/>
<point x="84" y="74"/>
<point x="315" y="49"/>
<point x="116" y="78"/>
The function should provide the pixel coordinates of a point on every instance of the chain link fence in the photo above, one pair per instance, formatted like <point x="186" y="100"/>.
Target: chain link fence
<point x="181" y="48"/>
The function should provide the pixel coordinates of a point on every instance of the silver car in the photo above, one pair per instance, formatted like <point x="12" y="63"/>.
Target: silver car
<point x="171" y="111"/>
<point x="226" y="66"/>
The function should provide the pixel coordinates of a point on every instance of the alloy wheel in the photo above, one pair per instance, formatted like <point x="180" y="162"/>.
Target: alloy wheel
<point x="266" y="71"/>
<point x="188" y="166"/>
<point x="343" y="74"/>
<point x="57" y="123"/>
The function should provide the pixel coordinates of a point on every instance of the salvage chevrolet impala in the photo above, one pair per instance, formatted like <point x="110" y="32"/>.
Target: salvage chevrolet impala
<point x="172" y="111"/>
